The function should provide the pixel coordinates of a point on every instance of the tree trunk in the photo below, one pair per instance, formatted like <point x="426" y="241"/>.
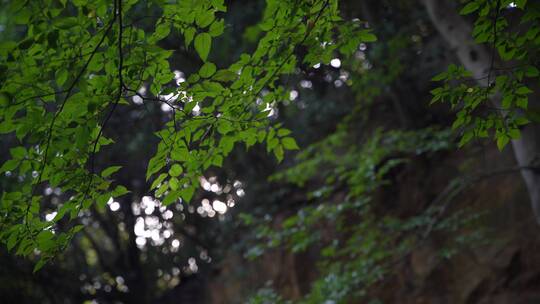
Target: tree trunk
<point x="477" y="59"/>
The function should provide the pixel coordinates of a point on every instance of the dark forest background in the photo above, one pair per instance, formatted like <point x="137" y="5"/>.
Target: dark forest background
<point x="430" y="222"/>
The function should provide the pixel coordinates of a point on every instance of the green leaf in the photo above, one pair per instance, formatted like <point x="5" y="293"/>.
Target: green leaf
<point x="39" y="265"/>
<point x="520" y="121"/>
<point x="218" y="4"/>
<point x="514" y="133"/>
<point x="225" y="76"/>
<point x="523" y="90"/>
<point x="154" y="165"/>
<point x="225" y="127"/>
<point x="18" y="152"/>
<point x="107" y="172"/>
<point x="77" y="228"/>
<point x="23" y="16"/>
<point x="12" y="240"/>
<point x="521" y="3"/>
<point x="175" y="170"/>
<point x="533" y="115"/>
<point x="102" y="199"/>
<point x="469" y="8"/>
<point x="532" y="71"/>
<point x="271" y="143"/>
<point x="366" y="36"/>
<point x="187" y="193"/>
<point x="502" y="140"/>
<point x="189" y="33"/>
<point x="522" y="102"/>
<point x="466" y="138"/>
<point x="9" y="165"/>
<point x="158" y="180"/>
<point x="170" y="198"/>
<point x="207" y="70"/>
<point x="278" y="152"/>
<point x="203" y="43"/>
<point x="193" y="78"/>
<point x="164" y="187"/>
<point x="217" y="160"/>
<point x="61" y="77"/>
<point x="289" y="143"/>
<point x="173" y="184"/>
<point x="507" y="101"/>
<point x="66" y="23"/>
<point x="45" y="240"/>
<point x="162" y="31"/>
<point x="216" y="29"/>
<point x="261" y="136"/>
<point x="226" y="144"/>
<point x="204" y="19"/>
<point x="180" y="154"/>
<point x="439" y="77"/>
<point x="283" y="132"/>
<point x="119" y="191"/>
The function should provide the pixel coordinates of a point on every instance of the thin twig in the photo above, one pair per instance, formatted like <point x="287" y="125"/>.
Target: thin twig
<point x="118" y="16"/>
<point x="69" y="92"/>
<point x="280" y="66"/>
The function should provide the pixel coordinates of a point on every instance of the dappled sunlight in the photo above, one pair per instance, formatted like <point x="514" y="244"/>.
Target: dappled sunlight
<point x="50" y="216"/>
<point x="209" y="208"/>
<point x="138" y="99"/>
<point x="179" y="77"/>
<point x="306" y="84"/>
<point x="149" y="228"/>
<point x="155" y="223"/>
<point x="336" y="63"/>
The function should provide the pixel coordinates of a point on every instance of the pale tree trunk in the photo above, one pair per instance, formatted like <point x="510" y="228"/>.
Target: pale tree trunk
<point x="457" y="31"/>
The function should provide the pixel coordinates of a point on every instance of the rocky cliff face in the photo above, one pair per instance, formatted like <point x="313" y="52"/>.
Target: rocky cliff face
<point x="503" y="267"/>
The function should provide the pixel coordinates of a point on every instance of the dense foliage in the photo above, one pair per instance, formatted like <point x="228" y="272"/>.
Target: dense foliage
<point x="518" y="50"/>
<point x="77" y="63"/>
